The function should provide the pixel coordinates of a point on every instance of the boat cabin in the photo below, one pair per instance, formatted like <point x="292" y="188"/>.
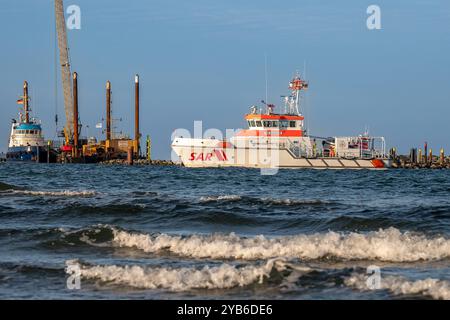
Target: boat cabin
<point x="273" y="125"/>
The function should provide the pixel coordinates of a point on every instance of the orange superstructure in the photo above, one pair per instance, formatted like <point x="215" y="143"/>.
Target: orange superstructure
<point x="270" y="133"/>
<point x="272" y="117"/>
<point x="280" y="125"/>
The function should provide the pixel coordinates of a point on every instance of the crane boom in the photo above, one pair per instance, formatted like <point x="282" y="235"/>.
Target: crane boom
<point x="65" y="68"/>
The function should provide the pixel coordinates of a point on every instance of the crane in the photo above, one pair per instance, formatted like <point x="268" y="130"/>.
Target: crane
<point x="65" y="71"/>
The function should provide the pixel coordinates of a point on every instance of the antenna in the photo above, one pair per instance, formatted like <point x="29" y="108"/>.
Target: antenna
<point x="305" y="108"/>
<point x="304" y="69"/>
<point x="265" y="72"/>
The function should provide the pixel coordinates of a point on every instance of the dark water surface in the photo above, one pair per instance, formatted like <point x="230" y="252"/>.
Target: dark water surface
<point x="172" y="232"/>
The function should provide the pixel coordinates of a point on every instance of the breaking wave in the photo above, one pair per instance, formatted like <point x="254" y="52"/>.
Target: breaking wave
<point x="220" y="198"/>
<point x="11" y="189"/>
<point x="384" y="245"/>
<point x="435" y="288"/>
<point x="64" y="193"/>
<point x="225" y="276"/>
<point x="266" y="201"/>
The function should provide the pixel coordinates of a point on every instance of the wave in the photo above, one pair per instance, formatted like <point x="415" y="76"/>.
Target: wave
<point x="144" y="193"/>
<point x="435" y="288"/>
<point x="105" y="209"/>
<point x="98" y="236"/>
<point x="7" y="187"/>
<point x="266" y="201"/>
<point x="57" y="237"/>
<point x="11" y="189"/>
<point x="29" y="268"/>
<point x="388" y="245"/>
<point x="63" y="193"/>
<point x="220" y="198"/>
<point x="225" y="276"/>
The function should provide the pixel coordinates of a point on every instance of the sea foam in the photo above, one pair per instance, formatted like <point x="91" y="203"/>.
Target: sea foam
<point x="63" y="193"/>
<point x="220" y="198"/>
<point x="264" y="200"/>
<point x="383" y="245"/>
<point x="435" y="288"/>
<point x="224" y="276"/>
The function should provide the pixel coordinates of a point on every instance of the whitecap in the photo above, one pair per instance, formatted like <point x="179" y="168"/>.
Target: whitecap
<point x="62" y="193"/>
<point x="220" y="198"/>
<point x="383" y="245"/>
<point x="435" y="288"/>
<point x="263" y="200"/>
<point x="224" y="276"/>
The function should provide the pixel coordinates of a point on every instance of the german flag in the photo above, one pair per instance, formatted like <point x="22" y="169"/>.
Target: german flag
<point x="20" y="101"/>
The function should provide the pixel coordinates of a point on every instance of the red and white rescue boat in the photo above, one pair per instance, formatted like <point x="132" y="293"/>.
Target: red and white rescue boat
<point x="280" y="141"/>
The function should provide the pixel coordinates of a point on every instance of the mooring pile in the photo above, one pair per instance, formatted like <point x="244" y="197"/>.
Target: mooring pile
<point x="418" y="159"/>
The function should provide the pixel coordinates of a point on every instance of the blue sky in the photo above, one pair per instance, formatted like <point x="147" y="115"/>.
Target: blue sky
<point x="204" y="60"/>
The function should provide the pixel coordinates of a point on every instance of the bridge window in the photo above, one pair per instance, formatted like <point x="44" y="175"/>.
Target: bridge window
<point x="258" y="123"/>
<point x="292" y="124"/>
<point x="284" y="124"/>
<point x="270" y="124"/>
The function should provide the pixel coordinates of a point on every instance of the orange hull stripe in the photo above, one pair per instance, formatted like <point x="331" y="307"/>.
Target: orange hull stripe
<point x="377" y="163"/>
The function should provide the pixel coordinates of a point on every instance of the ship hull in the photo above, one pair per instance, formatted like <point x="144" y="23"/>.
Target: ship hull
<point x="30" y="154"/>
<point x="208" y="153"/>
